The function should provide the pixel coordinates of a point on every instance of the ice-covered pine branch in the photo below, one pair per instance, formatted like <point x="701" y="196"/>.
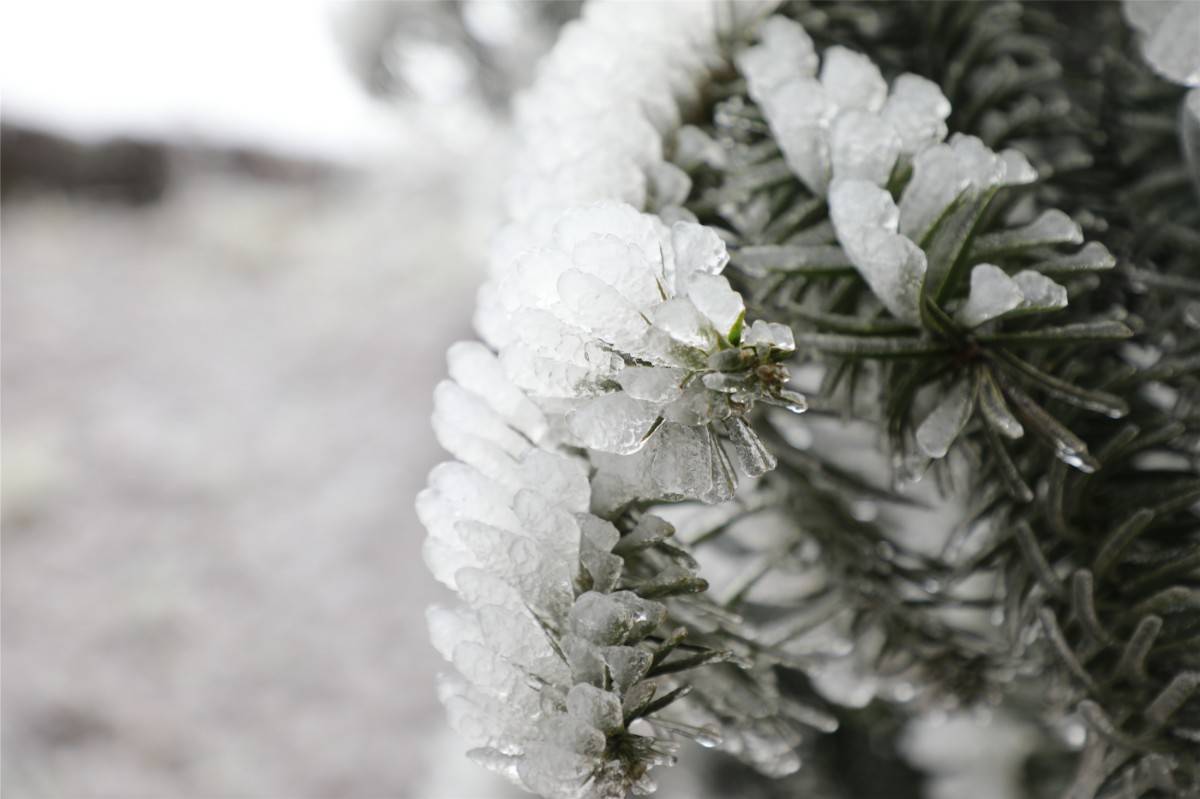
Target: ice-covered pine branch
<point x="625" y="330"/>
<point x="555" y="655"/>
<point x="715" y="205"/>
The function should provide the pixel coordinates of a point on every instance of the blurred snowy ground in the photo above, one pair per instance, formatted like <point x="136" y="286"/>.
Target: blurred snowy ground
<point x="216" y="406"/>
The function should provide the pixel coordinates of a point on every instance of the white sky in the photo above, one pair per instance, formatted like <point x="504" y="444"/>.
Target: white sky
<point x="256" y="73"/>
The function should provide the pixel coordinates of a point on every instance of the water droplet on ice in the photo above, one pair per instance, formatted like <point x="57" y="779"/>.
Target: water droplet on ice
<point x="1074" y="458"/>
<point x="1075" y="735"/>
<point x="708" y="737"/>
<point x="864" y="510"/>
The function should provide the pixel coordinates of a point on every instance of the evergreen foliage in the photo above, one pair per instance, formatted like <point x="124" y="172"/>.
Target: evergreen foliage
<point x="1001" y="330"/>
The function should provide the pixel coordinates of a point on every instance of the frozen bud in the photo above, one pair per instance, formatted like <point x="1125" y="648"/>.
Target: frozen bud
<point x="770" y="335"/>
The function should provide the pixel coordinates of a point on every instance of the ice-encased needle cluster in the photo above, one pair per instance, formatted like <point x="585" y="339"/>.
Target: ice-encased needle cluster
<point x="847" y="137"/>
<point x="551" y="656"/>
<point x="619" y="366"/>
<point x="843" y="122"/>
<point x="883" y="238"/>
<point x="625" y="332"/>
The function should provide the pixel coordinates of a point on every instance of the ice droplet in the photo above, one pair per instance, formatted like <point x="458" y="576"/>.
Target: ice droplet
<point x="864" y="510"/>
<point x="794" y="401"/>
<point x="708" y="737"/>
<point x="1078" y="459"/>
<point x="1075" y="735"/>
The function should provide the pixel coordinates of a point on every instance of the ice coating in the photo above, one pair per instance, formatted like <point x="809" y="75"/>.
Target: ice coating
<point x="1170" y="30"/>
<point x="994" y="294"/>
<point x="548" y="651"/>
<point x="943" y="172"/>
<point x="866" y="220"/>
<point x="842" y="122"/>
<point x="882" y="238"/>
<point x="644" y="66"/>
<point x="941" y="427"/>
<point x="617" y="325"/>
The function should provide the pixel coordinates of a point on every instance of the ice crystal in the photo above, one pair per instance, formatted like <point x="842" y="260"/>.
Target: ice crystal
<point x="550" y="653"/>
<point x="625" y="330"/>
